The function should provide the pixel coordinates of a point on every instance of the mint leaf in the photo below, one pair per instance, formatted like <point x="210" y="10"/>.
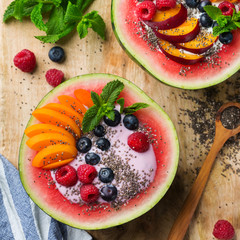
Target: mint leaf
<point x="57" y="2"/>
<point x="237" y="24"/>
<point x="73" y="13"/>
<point x="9" y="11"/>
<point x="213" y="12"/>
<point x="96" y="99"/>
<point x="121" y="101"/>
<point x="110" y="115"/>
<point x="111" y="91"/>
<point x="94" y="21"/>
<point x="18" y="10"/>
<point x="55" y="37"/>
<point x="82" y="29"/>
<point x="223" y="20"/>
<point x="55" y="24"/>
<point x="134" y="107"/>
<point x="90" y="120"/>
<point x="37" y="18"/>
<point x="84" y="4"/>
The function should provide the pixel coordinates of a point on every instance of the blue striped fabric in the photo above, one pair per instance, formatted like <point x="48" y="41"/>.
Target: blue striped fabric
<point x="21" y="219"/>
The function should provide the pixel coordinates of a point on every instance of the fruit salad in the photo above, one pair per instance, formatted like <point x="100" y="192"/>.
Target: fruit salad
<point x="95" y="148"/>
<point x="184" y="43"/>
<point x="188" y="31"/>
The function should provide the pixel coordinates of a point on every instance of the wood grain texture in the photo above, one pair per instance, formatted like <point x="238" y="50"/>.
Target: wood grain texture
<point x="21" y="92"/>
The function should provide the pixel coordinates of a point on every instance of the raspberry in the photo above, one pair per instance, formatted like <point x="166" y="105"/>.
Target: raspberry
<point x="86" y="173"/>
<point x="226" y="8"/>
<point x="25" y="60"/>
<point x="223" y="230"/>
<point x="146" y="10"/>
<point x="66" y="176"/>
<point x="54" y="77"/>
<point x="89" y="193"/>
<point x="160" y="4"/>
<point x="138" y="142"/>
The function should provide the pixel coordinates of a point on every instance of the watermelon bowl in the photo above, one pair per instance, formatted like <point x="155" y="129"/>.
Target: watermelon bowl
<point x="132" y="37"/>
<point x="40" y="186"/>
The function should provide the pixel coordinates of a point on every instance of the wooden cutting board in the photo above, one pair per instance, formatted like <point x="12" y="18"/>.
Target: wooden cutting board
<point x="192" y="112"/>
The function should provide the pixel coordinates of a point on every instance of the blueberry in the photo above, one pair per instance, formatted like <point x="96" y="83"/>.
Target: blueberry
<point x="84" y="144"/>
<point x="205" y="20"/>
<point x="92" y="158"/>
<point x="108" y="193"/>
<point x="192" y="3"/>
<point x="116" y="120"/>
<point x="130" y="122"/>
<point x="106" y="175"/>
<point x="56" y="54"/>
<point x="202" y="4"/>
<point x="103" y="144"/>
<point x="99" y="131"/>
<point x="226" y="37"/>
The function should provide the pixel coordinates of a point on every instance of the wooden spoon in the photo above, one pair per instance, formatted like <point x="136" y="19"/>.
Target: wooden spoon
<point x="222" y="134"/>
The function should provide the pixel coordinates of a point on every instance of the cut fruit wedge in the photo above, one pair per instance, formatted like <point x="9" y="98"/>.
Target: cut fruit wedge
<point x="178" y="55"/>
<point x="36" y="129"/>
<point x="58" y="164"/>
<point x="200" y="44"/>
<point x="49" y="116"/>
<point x="54" y="153"/>
<point x="84" y="97"/>
<point x="67" y="111"/>
<point x="169" y="18"/>
<point x="41" y="141"/>
<point x="72" y="103"/>
<point x="183" y="33"/>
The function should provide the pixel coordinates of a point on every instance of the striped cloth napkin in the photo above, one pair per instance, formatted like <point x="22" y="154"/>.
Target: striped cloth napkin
<point x="21" y="218"/>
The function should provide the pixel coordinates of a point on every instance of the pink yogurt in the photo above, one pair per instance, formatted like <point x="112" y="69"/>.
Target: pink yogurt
<point x="133" y="171"/>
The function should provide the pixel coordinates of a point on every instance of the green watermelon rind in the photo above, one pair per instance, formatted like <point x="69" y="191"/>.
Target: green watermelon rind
<point x="125" y="218"/>
<point x="142" y="63"/>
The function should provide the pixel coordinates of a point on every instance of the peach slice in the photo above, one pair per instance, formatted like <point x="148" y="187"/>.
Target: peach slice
<point x="36" y="129"/>
<point x="179" y="55"/>
<point x="200" y="44"/>
<point x="183" y="33"/>
<point x="72" y="103"/>
<point x="54" y="153"/>
<point x="42" y="140"/>
<point x="58" y="164"/>
<point x="49" y="116"/>
<point x="169" y="18"/>
<point x="67" y="111"/>
<point x="84" y="97"/>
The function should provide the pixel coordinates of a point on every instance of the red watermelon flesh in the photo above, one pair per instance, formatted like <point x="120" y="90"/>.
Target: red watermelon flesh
<point x="40" y="186"/>
<point x="126" y="27"/>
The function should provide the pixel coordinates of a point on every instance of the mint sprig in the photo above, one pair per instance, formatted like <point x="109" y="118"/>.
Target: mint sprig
<point x="62" y="17"/>
<point x="226" y="23"/>
<point x="104" y="105"/>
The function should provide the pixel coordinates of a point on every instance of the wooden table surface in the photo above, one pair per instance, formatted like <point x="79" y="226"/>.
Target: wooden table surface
<point x="192" y="112"/>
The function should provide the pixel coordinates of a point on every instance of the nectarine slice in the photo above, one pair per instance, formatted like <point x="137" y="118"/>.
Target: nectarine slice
<point x="179" y="55"/>
<point x="58" y="164"/>
<point x="42" y="140"/>
<point x="183" y="33"/>
<point x="67" y="111"/>
<point x="54" y="153"/>
<point x="49" y="116"/>
<point x="36" y="129"/>
<point x="84" y="97"/>
<point x="200" y="44"/>
<point x="72" y="103"/>
<point x="169" y="18"/>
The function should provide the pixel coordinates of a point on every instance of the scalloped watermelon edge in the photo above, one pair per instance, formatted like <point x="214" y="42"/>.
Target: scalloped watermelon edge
<point x="124" y="37"/>
<point x="133" y="212"/>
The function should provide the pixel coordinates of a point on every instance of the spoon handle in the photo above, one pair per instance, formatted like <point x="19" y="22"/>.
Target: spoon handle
<point x="184" y="217"/>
